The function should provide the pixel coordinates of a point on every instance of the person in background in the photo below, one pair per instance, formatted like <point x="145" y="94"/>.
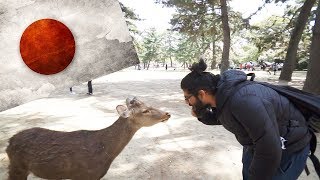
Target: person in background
<point x="71" y="92"/>
<point x="89" y="87"/>
<point x="274" y="68"/>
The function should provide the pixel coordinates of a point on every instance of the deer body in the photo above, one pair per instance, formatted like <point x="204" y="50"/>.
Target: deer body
<point x="80" y="155"/>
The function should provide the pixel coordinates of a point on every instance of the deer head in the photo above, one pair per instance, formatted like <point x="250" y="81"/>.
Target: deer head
<point x="140" y="114"/>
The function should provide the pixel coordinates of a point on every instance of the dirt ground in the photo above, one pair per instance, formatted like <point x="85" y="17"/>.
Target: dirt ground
<point x="181" y="148"/>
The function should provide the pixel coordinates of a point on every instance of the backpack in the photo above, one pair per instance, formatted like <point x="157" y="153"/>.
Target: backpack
<point x="309" y="106"/>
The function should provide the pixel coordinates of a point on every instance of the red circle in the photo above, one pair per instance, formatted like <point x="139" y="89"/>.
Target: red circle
<point x="47" y="46"/>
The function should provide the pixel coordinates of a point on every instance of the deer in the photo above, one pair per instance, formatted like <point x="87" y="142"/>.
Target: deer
<point x="78" y="155"/>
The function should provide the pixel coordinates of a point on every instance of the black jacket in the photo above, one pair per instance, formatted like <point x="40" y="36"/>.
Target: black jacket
<point x="258" y="116"/>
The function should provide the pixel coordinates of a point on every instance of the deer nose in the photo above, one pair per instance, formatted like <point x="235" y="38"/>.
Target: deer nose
<point x="168" y="114"/>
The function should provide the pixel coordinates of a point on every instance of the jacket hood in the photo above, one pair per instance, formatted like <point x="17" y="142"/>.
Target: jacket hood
<point x="228" y="82"/>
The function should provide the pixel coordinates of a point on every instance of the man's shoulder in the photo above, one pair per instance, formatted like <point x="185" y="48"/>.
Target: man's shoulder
<point x="252" y="88"/>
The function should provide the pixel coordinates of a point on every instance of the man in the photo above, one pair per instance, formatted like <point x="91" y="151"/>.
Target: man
<point x="274" y="68"/>
<point x="273" y="133"/>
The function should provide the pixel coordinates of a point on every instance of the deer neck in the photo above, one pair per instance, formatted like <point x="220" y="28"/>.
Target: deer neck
<point x="117" y="136"/>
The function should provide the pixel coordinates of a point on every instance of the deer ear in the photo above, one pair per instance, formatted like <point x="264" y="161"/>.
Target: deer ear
<point x="123" y="111"/>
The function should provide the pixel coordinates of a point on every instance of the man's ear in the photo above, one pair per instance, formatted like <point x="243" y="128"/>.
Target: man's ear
<point x="201" y="94"/>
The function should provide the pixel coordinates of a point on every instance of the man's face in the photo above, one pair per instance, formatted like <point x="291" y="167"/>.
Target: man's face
<point x="197" y="105"/>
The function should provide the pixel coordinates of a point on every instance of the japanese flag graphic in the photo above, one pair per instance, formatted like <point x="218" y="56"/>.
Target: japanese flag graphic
<point x="51" y="44"/>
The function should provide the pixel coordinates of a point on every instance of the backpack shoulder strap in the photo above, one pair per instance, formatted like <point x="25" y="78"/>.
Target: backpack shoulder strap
<point x="253" y="75"/>
<point x="314" y="159"/>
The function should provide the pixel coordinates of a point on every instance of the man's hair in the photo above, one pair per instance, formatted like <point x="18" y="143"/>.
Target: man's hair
<point x="199" y="79"/>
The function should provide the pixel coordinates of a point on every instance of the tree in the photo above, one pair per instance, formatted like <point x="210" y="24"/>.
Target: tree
<point x="199" y="21"/>
<point x="271" y="37"/>
<point x="151" y="47"/>
<point x="130" y="16"/>
<point x="226" y="36"/>
<point x="186" y="51"/>
<point x="300" y="24"/>
<point x="312" y="83"/>
<point x="168" y="46"/>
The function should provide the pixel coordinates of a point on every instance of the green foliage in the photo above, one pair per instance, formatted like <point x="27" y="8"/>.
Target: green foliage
<point x="186" y="51"/>
<point x="130" y="17"/>
<point x="168" y="47"/>
<point x="271" y="34"/>
<point x="250" y="53"/>
<point x="196" y="29"/>
<point x="198" y="22"/>
<point x="151" y="44"/>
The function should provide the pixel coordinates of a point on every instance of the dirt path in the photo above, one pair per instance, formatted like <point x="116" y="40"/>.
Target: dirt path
<point x="181" y="148"/>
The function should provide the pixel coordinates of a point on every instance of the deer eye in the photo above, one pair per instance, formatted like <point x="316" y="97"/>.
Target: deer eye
<point x="146" y="111"/>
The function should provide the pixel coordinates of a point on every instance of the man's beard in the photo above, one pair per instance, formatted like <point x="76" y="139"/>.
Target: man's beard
<point x="200" y="108"/>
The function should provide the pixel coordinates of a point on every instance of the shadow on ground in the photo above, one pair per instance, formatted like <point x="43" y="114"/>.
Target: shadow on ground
<point x="181" y="148"/>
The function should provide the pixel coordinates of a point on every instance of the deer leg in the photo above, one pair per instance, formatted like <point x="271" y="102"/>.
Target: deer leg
<point x="17" y="172"/>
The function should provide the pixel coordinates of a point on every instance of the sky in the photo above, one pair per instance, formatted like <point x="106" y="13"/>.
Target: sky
<point x="154" y="15"/>
<point x="157" y="16"/>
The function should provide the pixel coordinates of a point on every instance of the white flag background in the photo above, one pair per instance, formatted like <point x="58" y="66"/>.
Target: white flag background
<point x="103" y="45"/>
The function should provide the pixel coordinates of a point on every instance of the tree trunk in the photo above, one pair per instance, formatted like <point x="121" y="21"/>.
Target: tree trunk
<point x="214" y="60"/>
<point x="226" y="36"/>
<point x="312" y="83"/>
<point x="291" y="56"/>
<point x="170" y="53"/>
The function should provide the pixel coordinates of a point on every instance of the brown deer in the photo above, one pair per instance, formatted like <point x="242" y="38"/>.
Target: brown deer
<point x="78" y="155"/>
